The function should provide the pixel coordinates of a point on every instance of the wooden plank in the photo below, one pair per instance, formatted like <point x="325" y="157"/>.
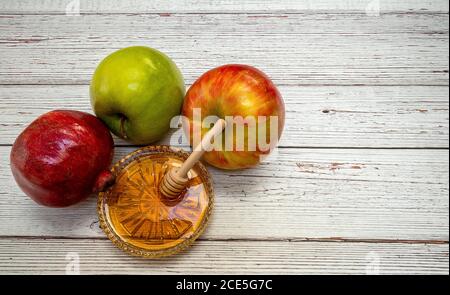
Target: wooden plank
<point x="35" y="256"/>
<point x="296" y="194"/>
<point x="315" y="116"/>
<point x="294" y="49"/>
<point x="183" y="6"/>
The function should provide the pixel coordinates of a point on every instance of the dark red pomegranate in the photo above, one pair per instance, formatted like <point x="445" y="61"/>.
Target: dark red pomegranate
<point x="62" y="157"/>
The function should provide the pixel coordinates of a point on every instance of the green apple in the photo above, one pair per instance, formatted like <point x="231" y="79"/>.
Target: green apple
<point x="136" y="91"/>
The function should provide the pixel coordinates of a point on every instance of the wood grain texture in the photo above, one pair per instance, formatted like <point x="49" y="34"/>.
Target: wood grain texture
<point x="215" y="6"/>
<point x="315" y="116"/>
<point x="296" y="194"/>
<point x="25" y="256"/>
<point x="298" y="49"/>
<point x="361" y="174"/>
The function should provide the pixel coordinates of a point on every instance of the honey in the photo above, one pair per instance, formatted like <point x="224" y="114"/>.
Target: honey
<point x="139" y="219"/>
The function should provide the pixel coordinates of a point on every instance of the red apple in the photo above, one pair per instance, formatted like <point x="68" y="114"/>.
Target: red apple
<point x="245" y="95"/>
<point x="62" y="157"/>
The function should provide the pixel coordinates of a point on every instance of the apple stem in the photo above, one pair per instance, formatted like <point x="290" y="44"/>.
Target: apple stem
<point x="104" y="180"/>
<point x="122" y="127"/>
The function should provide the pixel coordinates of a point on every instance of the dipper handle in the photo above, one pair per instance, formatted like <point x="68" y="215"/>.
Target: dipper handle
<point x="200" y="149"/>
<point x="174" y="182"/>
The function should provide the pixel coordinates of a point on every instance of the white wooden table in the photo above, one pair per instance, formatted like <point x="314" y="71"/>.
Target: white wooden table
<point x="359" y="183"/>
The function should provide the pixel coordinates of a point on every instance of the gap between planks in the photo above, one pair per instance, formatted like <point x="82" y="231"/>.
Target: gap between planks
<point x="290" y="240"/>
<point x="166" y="8"/>
<point x="278" y="84"/>
<point x="254" y="13"/>
<point x="296" y="147"/>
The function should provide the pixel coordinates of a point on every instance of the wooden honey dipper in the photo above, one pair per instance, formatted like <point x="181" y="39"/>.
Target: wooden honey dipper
<point x="175" y="181"/>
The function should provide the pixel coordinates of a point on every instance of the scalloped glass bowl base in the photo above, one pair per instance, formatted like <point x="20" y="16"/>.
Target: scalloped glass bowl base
<point x="137" y="219"/>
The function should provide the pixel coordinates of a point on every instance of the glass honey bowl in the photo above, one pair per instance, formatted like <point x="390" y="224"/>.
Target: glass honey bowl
<point x="138" y="219"/>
